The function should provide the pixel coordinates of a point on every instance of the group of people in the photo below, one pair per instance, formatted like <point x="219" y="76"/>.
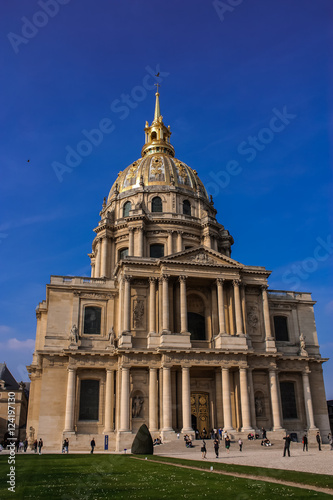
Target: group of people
<point x="216" y="444"/>
<point x="38" y="445"/>
<point x="188" y="441"/>
<point x="157" y="441"/>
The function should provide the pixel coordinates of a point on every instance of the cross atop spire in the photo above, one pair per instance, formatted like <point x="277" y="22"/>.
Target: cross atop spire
<point x="157" y="104"/>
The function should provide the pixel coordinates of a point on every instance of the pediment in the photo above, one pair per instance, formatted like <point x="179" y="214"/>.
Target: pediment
<point x="202" y="256"/>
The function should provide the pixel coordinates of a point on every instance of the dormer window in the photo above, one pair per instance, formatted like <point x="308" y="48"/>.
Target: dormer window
<point x="156" y="204"/>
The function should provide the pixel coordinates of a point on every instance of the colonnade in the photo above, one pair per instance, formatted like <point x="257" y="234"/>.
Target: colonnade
<point x="162" y="384"/>
<point x="105" y="248"/>
<point x="238" y="301"/>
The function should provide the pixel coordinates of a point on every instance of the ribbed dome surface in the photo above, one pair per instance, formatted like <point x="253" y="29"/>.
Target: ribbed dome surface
<point x="158" y="169"/>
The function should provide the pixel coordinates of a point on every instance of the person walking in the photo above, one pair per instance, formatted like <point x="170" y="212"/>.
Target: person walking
<point x="240" y="443"/>
<point x="25" y="444"/>
<point x="92" y="444"/>
<point x="287" y="445"/>
<point x="264" y="433"/>
<point x="35" y="445"/>
<point x="330" y="440"/>
<point x="203" y="449"/>
<point x="318" y="438"/>
<point x="216" y="447"/>
<point x="305" y="442"/>
<point x="227" y="443"/>
<point x="40" y="446"/>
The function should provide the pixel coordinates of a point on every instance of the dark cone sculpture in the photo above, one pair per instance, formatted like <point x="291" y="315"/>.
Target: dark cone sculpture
<point x="143" y="443"/>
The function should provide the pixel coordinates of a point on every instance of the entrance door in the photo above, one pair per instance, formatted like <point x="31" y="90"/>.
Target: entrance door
<point x="200" y="411"/>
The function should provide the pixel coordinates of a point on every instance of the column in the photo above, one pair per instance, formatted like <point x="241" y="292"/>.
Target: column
<point x="104" y="257"/>
<point x="98" y="249"/>
<point x="238" y="308"/>
<point x="124" y="400"/>
<point x="170" y="249"/>
<point x="183" y="305"/>
<point x="220" y="304"/>
<point x="153" y="403"/>
<point x="308" y="400"/>
<point x="127" y="304"/>
<point x="186" y="400"/>
<point x="130" y="241"/>
<point x="120" y="304"/>
<point x="245" y="403"/>
<point x="70" y="400"/>
<point x="165" y="303"/>
<point x="152" y="302"/>
<point x="140" y="245"/>
<point x="267" y="323"/>
<point x="179" y="241"/>
<point x="275" y="399"/>
<point x="226" y="399"/>
<point x="242" y="290"/>
<point x="167" y="414"/>
<point x="252" y="403"/>
<point x="92" y="270"/>
<point x="109" y="401"/>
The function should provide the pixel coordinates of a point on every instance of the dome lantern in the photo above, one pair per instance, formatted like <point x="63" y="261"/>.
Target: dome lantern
<point x="157" y="135"/>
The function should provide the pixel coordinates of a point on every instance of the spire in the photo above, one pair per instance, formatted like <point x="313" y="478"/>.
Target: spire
<point x="157" y="104"/>
<point x="157" y="135"/>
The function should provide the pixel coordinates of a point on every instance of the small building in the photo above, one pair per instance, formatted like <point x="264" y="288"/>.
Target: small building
<point x="10" y="389"/>
<point x="170" y="330"/>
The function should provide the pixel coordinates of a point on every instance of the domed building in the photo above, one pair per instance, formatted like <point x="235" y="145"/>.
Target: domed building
<point x="169" y="330"/>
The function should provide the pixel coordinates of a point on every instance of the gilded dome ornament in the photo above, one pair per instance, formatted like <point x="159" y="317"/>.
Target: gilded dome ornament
<point x="158" y="166"/>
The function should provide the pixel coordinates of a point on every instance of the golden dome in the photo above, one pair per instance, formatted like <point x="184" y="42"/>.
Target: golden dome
<point x="158" y="167"/>
<point x="158" y="170"/>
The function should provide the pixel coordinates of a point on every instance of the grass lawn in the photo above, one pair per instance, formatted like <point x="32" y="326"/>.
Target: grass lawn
<point x="320" y="480"/>
<point x="70" y="477"/>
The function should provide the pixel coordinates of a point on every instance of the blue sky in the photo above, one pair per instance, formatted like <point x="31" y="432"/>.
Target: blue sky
<point x="229" y="71"/>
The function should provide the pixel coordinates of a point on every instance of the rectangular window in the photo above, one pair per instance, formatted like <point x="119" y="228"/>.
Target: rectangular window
<point x="89" y="400"/>
<point x="281" y="328"/>
<point x="288" y="399"/>
<point x="92" y="320"/>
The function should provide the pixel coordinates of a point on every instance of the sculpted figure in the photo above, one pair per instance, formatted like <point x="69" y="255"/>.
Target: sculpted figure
<point x="137" y="406"/>
<point x="74" y="334"/>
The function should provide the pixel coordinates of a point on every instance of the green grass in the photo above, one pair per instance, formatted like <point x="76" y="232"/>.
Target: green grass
<point x="320" y="480"/>
<point x="90" y="477"/>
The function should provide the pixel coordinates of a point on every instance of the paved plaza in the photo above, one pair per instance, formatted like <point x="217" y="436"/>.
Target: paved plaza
<point x="315" y="461"/>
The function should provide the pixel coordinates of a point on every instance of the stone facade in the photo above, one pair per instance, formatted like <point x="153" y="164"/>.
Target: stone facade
<point x="169" y="330"/>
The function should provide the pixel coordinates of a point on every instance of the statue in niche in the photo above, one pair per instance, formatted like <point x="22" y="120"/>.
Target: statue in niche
<point x="252" y="319"/>
<point x="74" y="334"/>
<point x="138" y="312"/>
<point x="137" y="406"/>
<point x="259" y="405"/>
<point x="111" y="336"/>
<point x="302" y="345"/>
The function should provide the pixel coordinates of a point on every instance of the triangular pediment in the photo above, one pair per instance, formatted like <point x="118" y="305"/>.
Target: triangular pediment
<point x="202" y="256"/>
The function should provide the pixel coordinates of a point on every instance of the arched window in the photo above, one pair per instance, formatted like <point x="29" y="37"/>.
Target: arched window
<point x="156" y="250"/>
<point x="92" y="320"/>
<point x="281" y="328"/>
<point x="186" y="207"/>
<point x="156" y="204"/>
<point x="153" y="136"/>
<point x="196" y="326"/>
<point x="89" y="400"/>
<point x="123" y="253"/>
<point x="126" y="208"/>
<point x="288" y="400"/>
<point x="196" y="321"/>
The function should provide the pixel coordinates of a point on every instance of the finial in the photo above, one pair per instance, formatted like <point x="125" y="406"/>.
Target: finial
<point x="157" y="104"/>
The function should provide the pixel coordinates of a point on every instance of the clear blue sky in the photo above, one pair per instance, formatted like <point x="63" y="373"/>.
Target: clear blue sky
<point x="226" y="74"/>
